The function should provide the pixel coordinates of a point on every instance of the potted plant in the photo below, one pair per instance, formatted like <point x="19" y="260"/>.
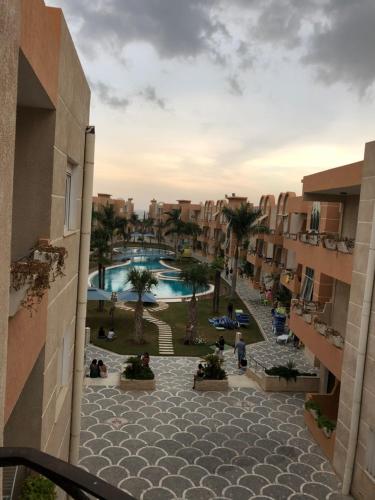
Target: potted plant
<point x="313" y="407"/>
<point x="36" y="487"/>
<point x="214" y="378"/>
<point x="321" y="328"/>
<point x="330" y="242"/>
<point x="326" y="425"/>
<point x="307" y="317"/>
<point x="338" y="341"/>
<point x="137" y="375"/>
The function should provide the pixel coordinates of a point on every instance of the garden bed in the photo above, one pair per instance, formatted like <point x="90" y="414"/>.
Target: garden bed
<point x="270" y="383"/>
<point x="128" y="384"/>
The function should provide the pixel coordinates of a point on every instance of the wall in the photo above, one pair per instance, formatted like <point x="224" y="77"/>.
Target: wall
<point x="362" y="487"/>
<point x="341" y="297"/>
<point x="350" y="216"/>
<point x="9" y="34"/>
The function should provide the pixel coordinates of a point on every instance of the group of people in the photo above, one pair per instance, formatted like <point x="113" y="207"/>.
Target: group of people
<point x="107" y="336"/>
<point x="239" y="349"/>
<point x="98" y="369"/>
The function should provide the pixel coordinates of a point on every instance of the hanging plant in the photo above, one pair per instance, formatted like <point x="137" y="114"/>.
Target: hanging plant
<point x="42" y="267"/>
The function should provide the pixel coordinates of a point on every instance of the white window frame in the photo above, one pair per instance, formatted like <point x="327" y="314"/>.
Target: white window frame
<point x="68" y="199"/>
<point x="307" y="289"/>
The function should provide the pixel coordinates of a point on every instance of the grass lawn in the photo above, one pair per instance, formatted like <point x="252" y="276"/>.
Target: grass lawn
<point x="124" y="328"/>
<point x="176" y="317"/>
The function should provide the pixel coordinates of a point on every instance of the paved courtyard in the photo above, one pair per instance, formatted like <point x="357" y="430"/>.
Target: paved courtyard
<point x="177" y="443"/>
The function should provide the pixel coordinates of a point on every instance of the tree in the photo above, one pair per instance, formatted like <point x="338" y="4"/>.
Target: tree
<point x="193" y="230"/>
<point x="134" y="221"/>
<point x="99" y="245"/>
<point x="149" y="225"/>
<point x="141" y="281"/>
<point x="174" y="223"/>
<point x="109" y="222"/>
<point x="159" y="230"/>
<point x="197" y="277"/>
<point x="242" y="223"/>
<point x="217" y="265"/>
<point x="123" y="228"/>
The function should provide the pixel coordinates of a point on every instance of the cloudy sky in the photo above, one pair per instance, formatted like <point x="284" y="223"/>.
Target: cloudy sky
<point x="194" y="99"/>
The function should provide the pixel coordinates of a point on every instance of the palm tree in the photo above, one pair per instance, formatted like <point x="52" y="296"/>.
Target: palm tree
<point x="159" y="230"/>
<point x="109" y="221"/>
<point x="193" y="230"/>
<point x="174" y="222"/>
<point x="134" y="221"/>
<point x="242" y="223"/>
<point x="123" y="228"/>
<point x="197" y="277"/>
<point x="149" y="224"/>
<point x="217" y="265"/>
<point x="142" y="281"/>
<point x="99" y="244"/>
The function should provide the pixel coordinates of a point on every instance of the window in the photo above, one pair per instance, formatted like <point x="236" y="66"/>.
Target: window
<point x="308" y="285"/>
<point x="370" y="457"/>
<point x="315" y="216"/>
<point x="68" y="199"/>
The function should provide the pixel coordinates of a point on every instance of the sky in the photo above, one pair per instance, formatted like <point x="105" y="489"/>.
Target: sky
<point x="195" y="99"/>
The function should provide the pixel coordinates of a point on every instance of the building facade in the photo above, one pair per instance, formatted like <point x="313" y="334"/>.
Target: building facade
<point x="44" y="172"/>
<point x="122" y="208"/>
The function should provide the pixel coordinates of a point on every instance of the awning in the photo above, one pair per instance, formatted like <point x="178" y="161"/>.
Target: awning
<point x="259" y="219"/>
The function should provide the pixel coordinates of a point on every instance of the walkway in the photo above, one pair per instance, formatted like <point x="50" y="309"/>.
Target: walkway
<point x="175" y="443"/>
<point x="165" y="332"/>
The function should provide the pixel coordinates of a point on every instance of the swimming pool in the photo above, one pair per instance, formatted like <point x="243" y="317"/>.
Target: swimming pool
<point x="169" y="287"/>
<point x="132" y="253"/>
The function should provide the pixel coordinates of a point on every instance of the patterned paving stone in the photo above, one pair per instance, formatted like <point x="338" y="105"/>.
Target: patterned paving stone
<point x="241" y="444"/>
<point x="114" y="474"/>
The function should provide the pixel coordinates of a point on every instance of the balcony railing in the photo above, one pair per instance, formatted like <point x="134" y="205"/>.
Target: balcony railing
<point x="75" y="481"/>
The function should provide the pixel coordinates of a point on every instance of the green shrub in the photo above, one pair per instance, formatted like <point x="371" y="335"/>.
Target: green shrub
<point x="212" y="368"/>
<point x="38" y="488"/>
<point x="288" y="372"/>
<point x="312" y="405"/>
<point x="326" y="423"/>
<point x="135" y="369"/>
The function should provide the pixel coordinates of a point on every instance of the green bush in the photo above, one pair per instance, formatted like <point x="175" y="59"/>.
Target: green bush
<point x="288" y="372"/>
<point x="135" y="369"/>
<point x="38" y="488"/>
<point x="312" y="405"/>
<point x="325" y="422"/>
<point x="212" y="368"/>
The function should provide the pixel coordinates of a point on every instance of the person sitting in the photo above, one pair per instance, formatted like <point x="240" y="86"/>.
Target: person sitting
<point x="94" y="369"/>
<point x="101" y="333"/>
<point x="103" y="372"/>
<point x="145" y="359"/>
<point x="111" y="335"/>
<point x="199" y="375"/>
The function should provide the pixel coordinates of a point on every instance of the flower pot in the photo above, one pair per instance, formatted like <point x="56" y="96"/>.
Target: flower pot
<point x="314" y="413"/>
<point x="341" y="247"/>
<point x="299" y="311"/>
<point x="327" y="432"/>
<point x="321" y="328"/>
<point x="330" y="244"/>
<point x="338" y="341"/>
<point x="307" y="317"/>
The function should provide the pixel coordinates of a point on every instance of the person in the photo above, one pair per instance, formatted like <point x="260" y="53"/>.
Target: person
<point x="226" y="272"/>
<point x="94" y="369"/>
<point x="199" y="375"/>
<point x="145" y="359"/>
<point x="230" y="310"/>
<point x="101" y="333"/>
<point x="221" y="344"/>
<point x="231" y="271"/>
<point x="111" y="335"/>
<point x="103" y="373"/>
<point x="240" y="347"/>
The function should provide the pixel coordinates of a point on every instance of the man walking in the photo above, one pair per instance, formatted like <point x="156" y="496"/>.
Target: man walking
<point x="240" y="347"/>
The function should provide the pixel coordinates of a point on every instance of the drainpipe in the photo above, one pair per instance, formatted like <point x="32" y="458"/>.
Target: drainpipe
<point x="84" y="255"/>
<point x="361" y="360"/>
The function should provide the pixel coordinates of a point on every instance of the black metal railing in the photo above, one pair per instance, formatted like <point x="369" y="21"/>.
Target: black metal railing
<point x="75" y="481"/>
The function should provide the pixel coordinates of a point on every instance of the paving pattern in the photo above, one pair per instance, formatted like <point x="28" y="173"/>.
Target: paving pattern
<point x="176" y="443"/>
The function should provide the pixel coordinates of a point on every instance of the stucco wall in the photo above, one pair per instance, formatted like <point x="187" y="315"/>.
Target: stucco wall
<point x="363" y="487"/>
<point x="350" y="216"/>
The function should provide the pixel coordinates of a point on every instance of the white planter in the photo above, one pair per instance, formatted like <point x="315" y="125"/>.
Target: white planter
<point x="314" y="413"/>
<point x="330" y="244"/>
<point x="338" y="342"/>
<point x="327" y="432"/>
<point x="341" y="247"/>
<point x="321" y="328"/>
<point x="299" y="312"/>
<point x="307" y="318"/>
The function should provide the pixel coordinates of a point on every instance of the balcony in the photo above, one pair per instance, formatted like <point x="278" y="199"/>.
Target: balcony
<point x="203" y="238"/>
<point x="275" y="239"/>
<point x="291" y="281"/>
<point x="270" y="267"/>
<point x="311" y="251"/>
<point x="255" y="260"/>
<point x="321" y="344"/>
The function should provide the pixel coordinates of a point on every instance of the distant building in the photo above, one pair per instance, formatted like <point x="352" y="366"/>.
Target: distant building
<point x="123" y="208"/>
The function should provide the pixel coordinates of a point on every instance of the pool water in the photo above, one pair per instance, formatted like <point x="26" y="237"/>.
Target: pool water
<point x="169" y="288"/>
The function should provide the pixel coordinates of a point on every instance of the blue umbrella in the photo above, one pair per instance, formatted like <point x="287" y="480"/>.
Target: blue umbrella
<point x="132" y="296"/>
<point x="97" y="294"/>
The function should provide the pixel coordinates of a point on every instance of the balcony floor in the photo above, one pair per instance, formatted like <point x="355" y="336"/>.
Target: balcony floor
<point x="177" y="443"/>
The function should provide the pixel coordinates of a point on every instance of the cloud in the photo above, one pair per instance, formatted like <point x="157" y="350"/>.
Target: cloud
<point x="150" y="95"/>
<point x="342" y="49"/>
<point x="235" y="87"/>
<point x="106" y="94"/>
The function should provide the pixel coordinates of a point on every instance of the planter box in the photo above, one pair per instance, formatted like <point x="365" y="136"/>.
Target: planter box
<point x="270" y="383"/>
<point x="127" y="384"/>
<point x="211" y="385"/>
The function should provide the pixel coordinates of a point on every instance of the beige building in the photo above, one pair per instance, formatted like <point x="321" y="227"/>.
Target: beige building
<point x="123" y="208"/>
<point x="46" y="168"/>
